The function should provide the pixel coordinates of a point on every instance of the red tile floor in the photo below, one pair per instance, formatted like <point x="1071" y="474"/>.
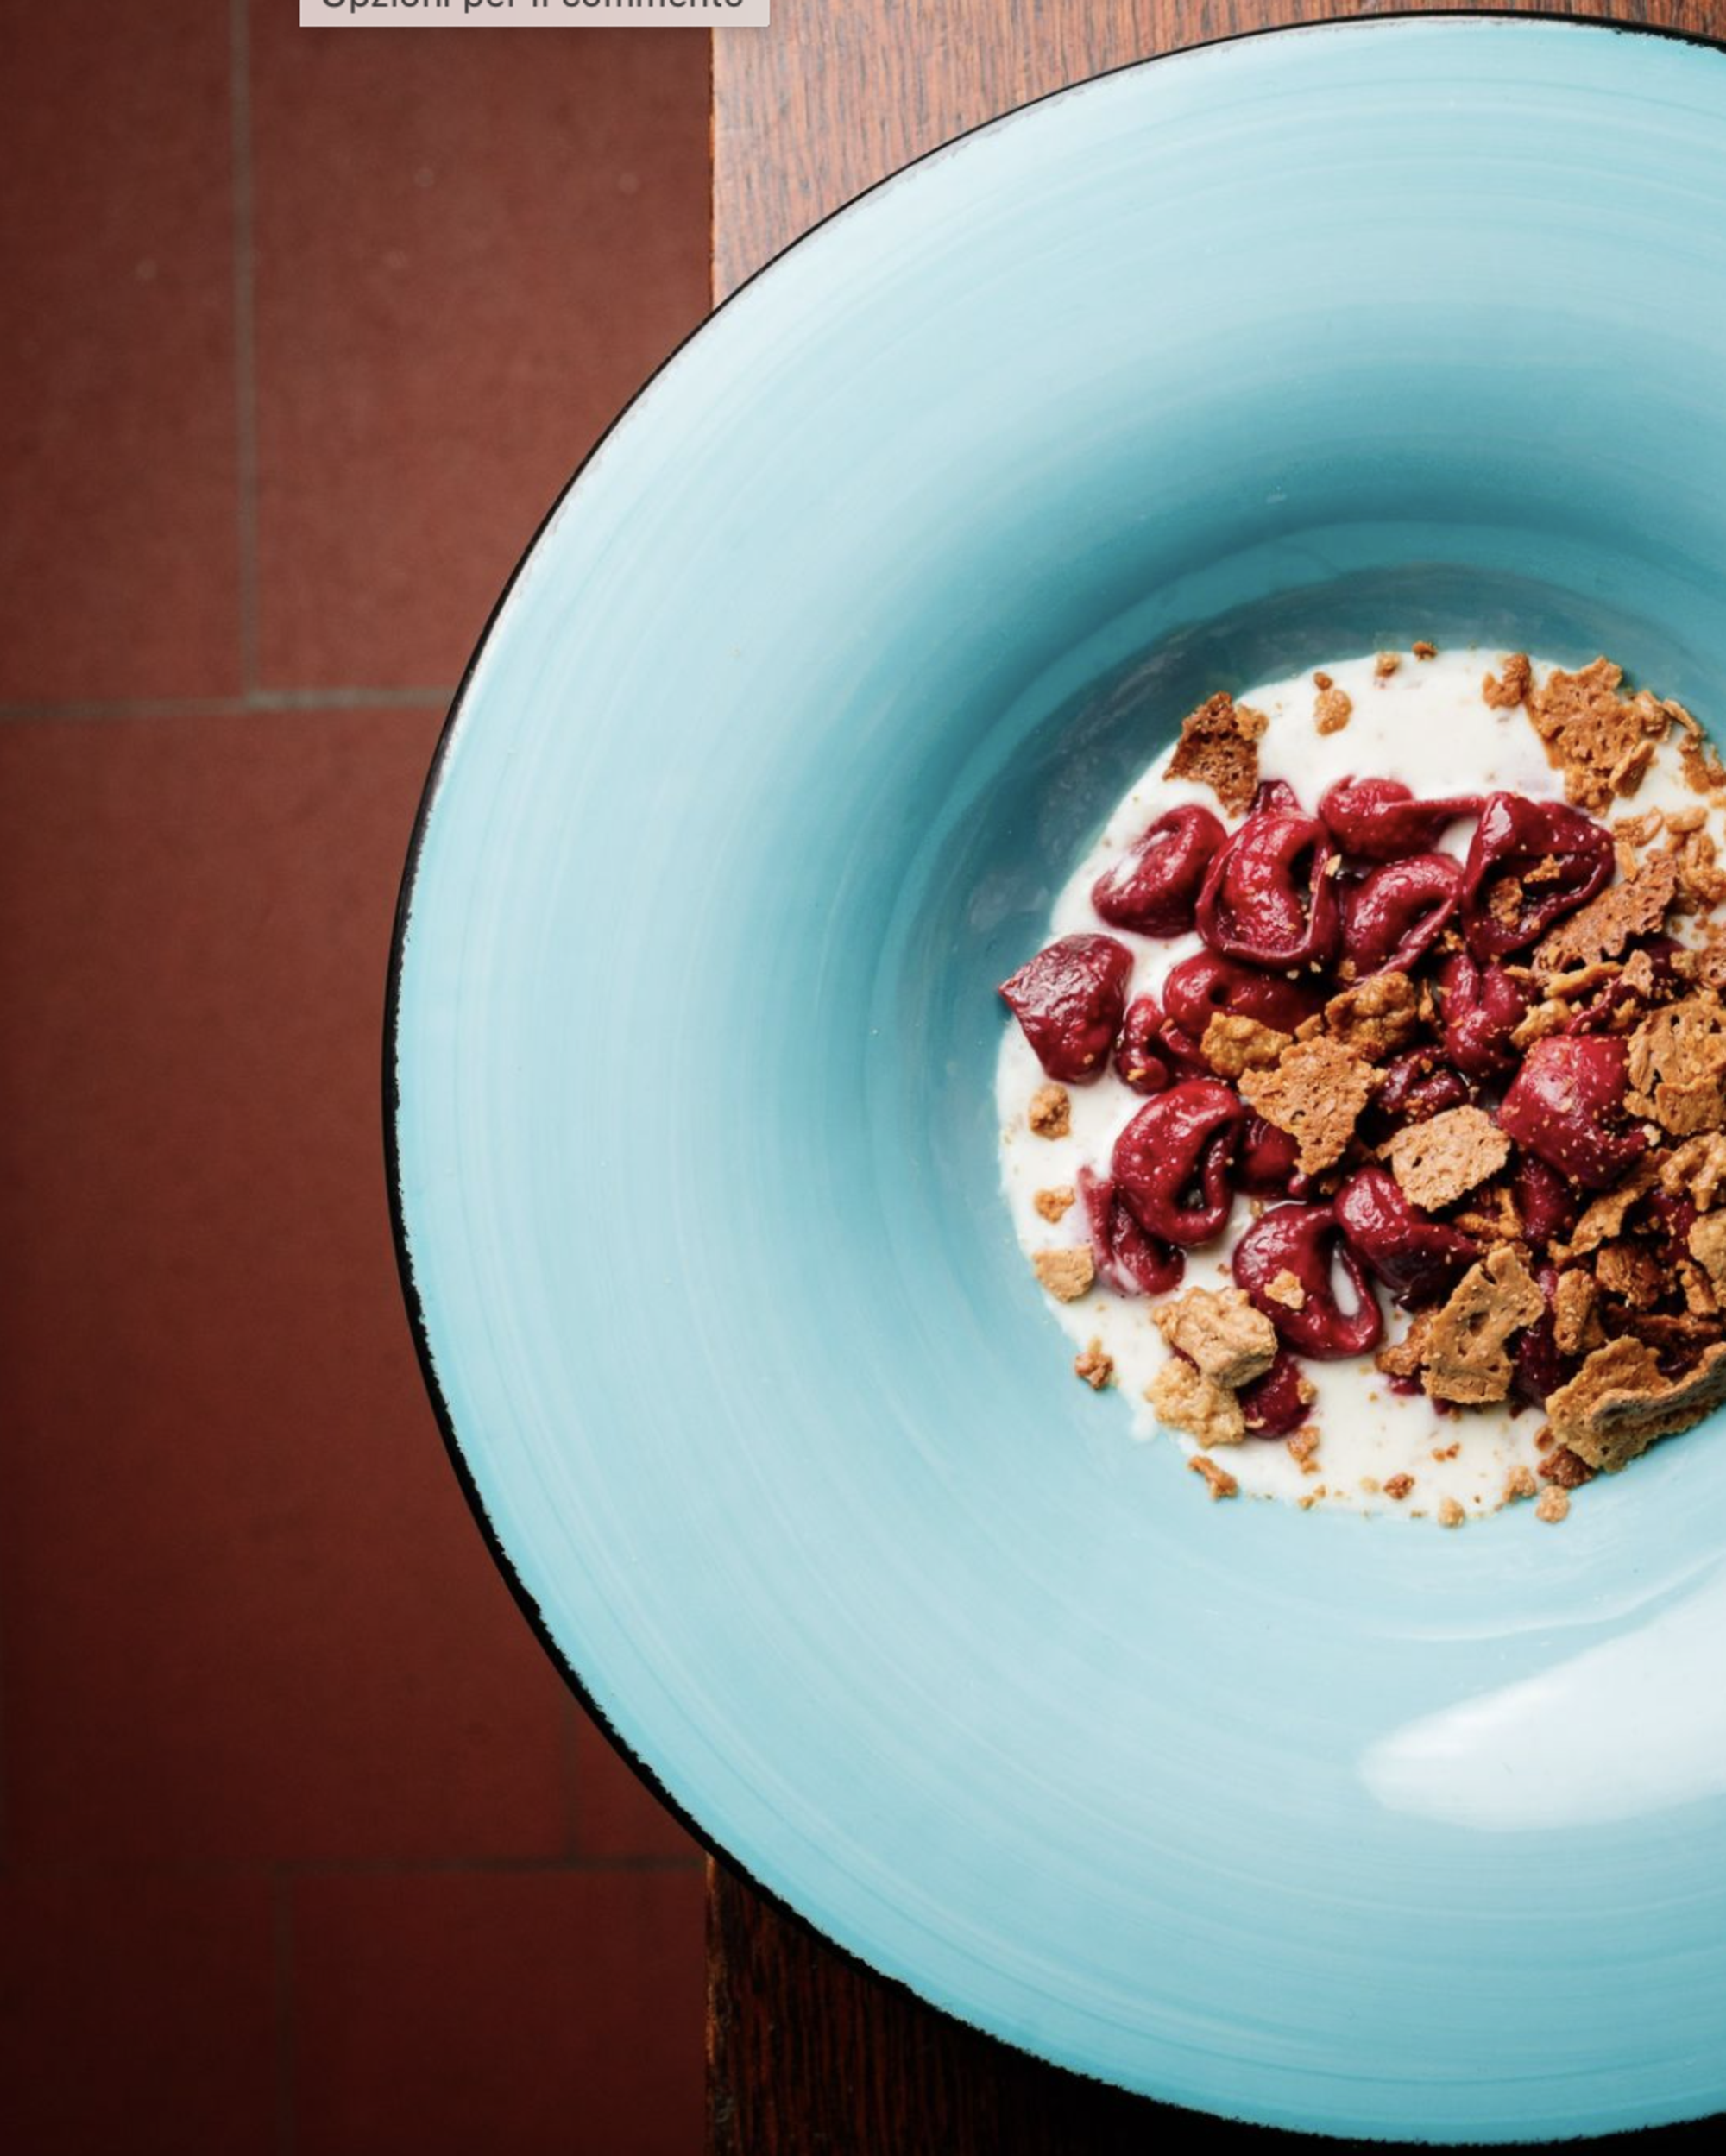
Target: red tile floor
<point x="303" y="1849"/>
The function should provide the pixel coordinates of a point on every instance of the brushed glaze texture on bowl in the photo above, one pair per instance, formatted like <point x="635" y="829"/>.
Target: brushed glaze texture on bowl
<point x="805" y="702"/>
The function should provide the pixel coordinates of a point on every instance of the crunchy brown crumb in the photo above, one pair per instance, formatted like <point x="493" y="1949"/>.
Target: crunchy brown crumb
<point x="1051" y="1112"/>
<point x="1303" y="1447"/>
<point x="1332" y="709"/>
<point x="1707" y="1247"/>
<point x="1575" y="1328"/>
<point x="1602" y="928"/>
<point x="1464" y="1359"/>
<point x="1700" y="1297"/>
<point x="1377" y="1018"/>
<point x="1619" y="1401"/>
<point x="1186" y="1399"/>
<point x="1398" y="1486"/>
<point x="1220" y="1332"/>
<point x="1702" y="768"/>
<point x="1285" y="1289"/>
<point x="1067" y="1274"/>
<point x="1565" y="1469"/>
<point x="1403" y="1359"/>
<point x="1450" y="1514"/>
<point x="1676" y="1064"/>
<point x="1436" y="1162"/>
<point x="1094" y="1366"/>
<point x="1387" y="663"/>
<point x="1234" y="1045"/>
<point x="1638" y="831"/>
<point x="1424" y="650"/>
<point x="1219" y="748"/>
<point x="1602" y="742"/>
<point x="1491" y="1215"/>
<point x="1513" y="681"/>
<point x="1553" y="1505"/>
<point x="1604" y="1216"/>
<point x="1520" y="1483"/>
<point x="1220" y="1482"/>
<point x="1053" y="1204"/>
<point x="1695" y="1170"/>
<point x="1631" y="1272"/>
<point x="1448" y="1452"/>
<point x="1701" y="883"/>
<point x="1315" y="1092"/>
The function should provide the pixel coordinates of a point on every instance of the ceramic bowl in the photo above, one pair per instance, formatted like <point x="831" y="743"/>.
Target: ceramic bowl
<point x="804" y="701"/>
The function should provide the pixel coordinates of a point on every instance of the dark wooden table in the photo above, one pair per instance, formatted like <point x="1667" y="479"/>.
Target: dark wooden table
<point x="808" y="2054"/>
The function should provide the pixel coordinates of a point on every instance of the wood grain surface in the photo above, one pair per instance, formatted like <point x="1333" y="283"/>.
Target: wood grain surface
<point x="809" y="2054"/>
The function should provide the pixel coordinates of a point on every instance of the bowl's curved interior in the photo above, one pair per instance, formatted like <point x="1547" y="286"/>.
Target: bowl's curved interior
<point x="803" y="706"/>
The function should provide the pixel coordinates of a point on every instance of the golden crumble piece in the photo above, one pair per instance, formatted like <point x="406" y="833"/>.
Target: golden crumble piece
<point x="1464" y="1359"/>
<point x="1423" y="649"/>
<point x="1051" y="1112"/>
<point x="1285" y="1289"/>
<point x="1315" y="1092"/>
<point x="1520" y="1483"/>
<point x="1677" y="1065"/>
<point x="1700" y="1297"/>
<point x="1631" y="1272"/>
<point x="1491" y="1215"/>
<point x="1303" y="1448"/>
<point x="1096" y="1368"/>
<point x="1186" y="1399"/>
<point x="1234" y="1045"/>
<point x="1332" y="709"/>
<point x="1220" y="1332"/>
<point x="1506" y="690"/>
<point x="1387" y="663"/>
<point x="1219" y="748"/>
<point x="1067" y="1274"/>
<point x="1702" y="768"/>
<point x="1602" y="742"/>
<point x="1600" y="930"/>
<point x="1217" y="1480"/>
<point x="1553" y="1505"/>
<point x="1450" y="1514"/>
<point x="1604" y="1217"/>
<point x="1053" y="1204"/>
<point x="1575" y="1326"/>
<point x="1397" y="1487"/>
<point x="1437" y="1162"/>
<point x="1707" y="1247"/>
<point x="1403" y="1357"/>
<point x="1619" y="1403"/>
<point x="1377" y="1018"/>
<point x="1701" y="882"/>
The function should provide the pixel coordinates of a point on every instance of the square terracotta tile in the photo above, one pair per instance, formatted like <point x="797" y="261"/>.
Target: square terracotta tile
<point x="119" y="544"/>
<point x="616" y="1814"/>
<point x="541" y="2013"/>
<point x="245" y="1609"/>
<point x="470" y="252"/>
<point x="137" y="2013"/>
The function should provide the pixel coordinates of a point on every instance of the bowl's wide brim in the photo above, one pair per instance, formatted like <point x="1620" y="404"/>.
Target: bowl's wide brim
<point x="802" y="704"/>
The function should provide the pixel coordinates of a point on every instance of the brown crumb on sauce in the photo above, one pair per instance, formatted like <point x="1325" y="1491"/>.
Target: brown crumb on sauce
<point x="1505" y="690"/>
<point x="1051" y="1112"/>
<point x="1232" y="1044"/>
<point x="1701" y="765"/>
<point x="1602" y="928"/>
<point x="1604" y="1216"/>
<point x="1053" y="1204"/>
<point x="1285" y="1289"/>
<point x="1387" y="663"/>
<point x="1553" y="1505"/>
<point x="1219" y="748"/>
<point x="1631" y="1273"/>
<point x="1437" y="1162"/>
<point x="1563" y="1469"/>
<point x="1398" y="1486"/>
<point x="1677" y="1065"/>
<point x="1448" y="1452"/>
<point x="1186" y="1399"/>
<point x="1701" y="1298"/>
<point x="1067" y="1274"/>
<point x="1423" y="649"/>
<point x="1520" y="1483"/>
<point x="1315" y="1092"/>
<point x="1466" y="1359"/>
<point x="1402" y="1358"/>
<point x="1620" y="1401"/>
<point x="1491" y="1215"/>
<point x="1220" y="1332"/>
<point x="1602" y="742"/>
<point x="1701" y="882"/>
<point x="1303" y="1448"/>
<point x="1217" y="1480"/>
<point x="1377" y="1018"/>
<point x="1094" y="1366"/>
<point x="1575" y="1327"/>
<point x="1450" y="1514"/>
<point x="1332" y="709"/>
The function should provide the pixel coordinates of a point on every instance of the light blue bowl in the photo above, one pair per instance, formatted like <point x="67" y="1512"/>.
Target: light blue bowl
<point x="803" y="703"/>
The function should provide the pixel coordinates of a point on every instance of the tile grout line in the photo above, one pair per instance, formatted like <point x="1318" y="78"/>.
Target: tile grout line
<point x="256" y="702"/>
<point x="283" y="1950"/>
<point x="245" y="335"/>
